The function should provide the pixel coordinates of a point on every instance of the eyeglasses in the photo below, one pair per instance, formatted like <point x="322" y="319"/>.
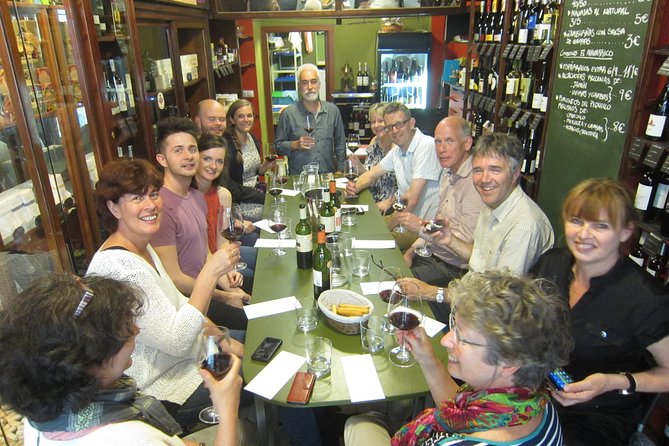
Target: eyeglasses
<point x="458" y="337"/>
<point x="87" y="295"/>
<point x="397" y="126"/>
<point x="307" y="82"/>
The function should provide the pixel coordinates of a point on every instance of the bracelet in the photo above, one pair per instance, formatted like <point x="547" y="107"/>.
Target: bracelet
<point x="632" y="387"/>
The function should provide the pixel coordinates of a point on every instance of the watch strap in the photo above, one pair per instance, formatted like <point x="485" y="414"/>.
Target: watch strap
<point x="632" y="384"/>
<point x="439" y="298"/>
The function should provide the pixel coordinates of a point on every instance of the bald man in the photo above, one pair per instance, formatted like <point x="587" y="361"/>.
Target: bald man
<point x="460" y="205"/>
<point x="210" y="117"/>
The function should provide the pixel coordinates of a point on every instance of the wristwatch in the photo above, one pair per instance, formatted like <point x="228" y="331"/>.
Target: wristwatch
<point x="439" y="298"/>
<point x="630" y="390"/>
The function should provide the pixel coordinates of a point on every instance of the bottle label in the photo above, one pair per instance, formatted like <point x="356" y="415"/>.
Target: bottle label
<point x="642" y="197"/>
<point x="511" y="86"/>
<point x="637" y="260"/>
<point x="303" y="243"/>
<point x="522" y="36"/>
<point x="318" y="277"/>
<point x="337" y="223"/>
<point x="651" y="272"/>
<point x="655" y="125"/>
<point x="544" y="103"/>
<point x="661" y="196"/>
<point x="329" y="223"/>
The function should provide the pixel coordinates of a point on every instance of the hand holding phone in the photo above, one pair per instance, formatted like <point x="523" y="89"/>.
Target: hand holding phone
<point x="559" y="378"/>
<point x="266" y="349"/>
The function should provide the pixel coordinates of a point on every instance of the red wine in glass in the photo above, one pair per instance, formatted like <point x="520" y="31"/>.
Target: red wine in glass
<point x="351" y="176"/>
<point x="309" y="130"/>
<point x="432" y="226"/>
<point x="385" y="295"/>
<point x="218" y="364"/>
<point x="270" y="158"/>
<point x="233" y="234"/>
<point x="275" y="192"/>
<point x="404" y="320"/>
<point x="282" y="179"/>
<point x="277" y="227"/>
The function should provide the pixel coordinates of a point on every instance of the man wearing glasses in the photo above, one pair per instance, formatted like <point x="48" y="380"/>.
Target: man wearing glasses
<point x="210" y="117"/>
<point x="415" y="164"/>
<point x="311" y="130"/>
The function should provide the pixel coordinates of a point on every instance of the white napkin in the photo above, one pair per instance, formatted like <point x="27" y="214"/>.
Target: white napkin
<point x="290" y="192"/>
<point x="270" y="307"/>
<point x="273" y="243"/>
<point x="361" y="378"/>
<point x="264" y="225"/>
<point x="373" y="244"/>
<point x="373" y="287"/>
<point x="276" y="374"/>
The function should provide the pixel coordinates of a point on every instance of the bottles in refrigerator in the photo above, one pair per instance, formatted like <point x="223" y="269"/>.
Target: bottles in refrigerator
<point x="657" y="121"/>
<point x="321" y="261"/>
<point x="303" y="242"/>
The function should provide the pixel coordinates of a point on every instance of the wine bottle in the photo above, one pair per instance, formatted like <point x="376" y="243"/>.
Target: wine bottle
<point x="659" y="201"/>
<point x="479" y="21"/>
<point x="513" y="79"/>
<point x="523" y="30"/>
<point x="327" y="216"/>
<point x="303" y="241"/>
<point x="539" y="26"/>
<point x="365" y="80"/>
<point x="526" y="85"/>
<point x="493" y="79"/>
<point x="492" y="21"/>
<point x="499" y="23"/>
<point x="336" y="205"/>
<point x="531" y="19"/>
<point x="358" y="79"/>
<point x="657" y="121"/>
<point x="321" y="260"/>
<point x="656" y="266"/>
<point x="644" y="191"/>
<point x="637" y="254"/>
<point x="515" y="23"/>
<point x="540" y="89"/>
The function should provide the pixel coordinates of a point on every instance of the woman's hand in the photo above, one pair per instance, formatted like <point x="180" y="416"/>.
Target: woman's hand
<point x="582" y="391"/>
<point x="248" y="227"/>
<point x="235" y="279"/>
<point x="225" y="393"/>
<point x="265" y="166"/>
<point x="224" y="259"/>
<point x="418" y="343"/>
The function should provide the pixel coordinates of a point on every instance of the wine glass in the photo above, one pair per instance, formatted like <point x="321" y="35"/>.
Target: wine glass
<point x="389" y="275"/>
<point x="351" y="173"/>
<point x="309" y="127"/>
<point x="404" y="315"/>
<point x="353" y="142"/>
<point x="277" y="223"/>
<point x="274" y="188"/>
<point x="231" y="227"/>
<point x="213" y="355"/>
<point x="430" y="227"/>
<point x="399" y="205"/>
<point x="270" y="152"/>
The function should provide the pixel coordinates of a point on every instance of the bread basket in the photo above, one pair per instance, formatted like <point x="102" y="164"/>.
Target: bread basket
<point x="344" y="324"/>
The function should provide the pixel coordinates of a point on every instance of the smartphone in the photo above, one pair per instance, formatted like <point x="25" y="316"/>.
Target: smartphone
<point x="266" y="349"/>
<point x="559" y="378"/>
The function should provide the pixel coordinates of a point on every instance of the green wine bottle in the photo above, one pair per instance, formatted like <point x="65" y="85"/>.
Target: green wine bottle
<point x="321" y="263"/>
<point x="303" y="240"/>
<point x="334" y="199"/>
<point x="327" y="213"/>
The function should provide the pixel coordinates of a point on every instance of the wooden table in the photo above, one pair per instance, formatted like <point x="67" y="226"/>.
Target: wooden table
<point x="278" y="276"/>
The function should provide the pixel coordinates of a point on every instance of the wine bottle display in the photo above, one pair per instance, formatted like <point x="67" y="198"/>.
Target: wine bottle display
<point x="303" y="242"/>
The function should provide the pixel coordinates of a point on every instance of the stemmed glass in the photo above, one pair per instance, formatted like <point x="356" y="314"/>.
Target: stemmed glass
<point x="231" y="227"/>
<point x="353" y="142"/>
<point x="277" y="223"/>
<point x="309" y="127"/>
<point x="387" y="279"/>
<point x="404" y="315"/>
<point x="213" y="355"/>
<point x="399" y="205"/>
<point x="351" y="173"/>
<point x="270" y="152"/>
<point x="430" y="227"/>
<point x="275" y="189"/>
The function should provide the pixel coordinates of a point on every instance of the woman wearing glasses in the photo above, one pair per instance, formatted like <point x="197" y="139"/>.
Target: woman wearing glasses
<point x="243" y="160"/>
<point x="506" y="334"/>
<point x="66" y="344"/>
<point x="619" y="316"/>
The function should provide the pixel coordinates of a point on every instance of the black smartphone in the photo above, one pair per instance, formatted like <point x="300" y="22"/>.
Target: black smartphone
<point x="266" y="349"/>
<point x="559" y="378"/>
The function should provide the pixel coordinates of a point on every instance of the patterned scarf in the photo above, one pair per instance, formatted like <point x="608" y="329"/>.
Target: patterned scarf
<point x="120" y="403"/>
<point x="473" y="411"/>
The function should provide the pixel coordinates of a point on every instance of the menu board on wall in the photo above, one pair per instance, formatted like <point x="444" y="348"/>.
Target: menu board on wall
<point x="599" y="52"/>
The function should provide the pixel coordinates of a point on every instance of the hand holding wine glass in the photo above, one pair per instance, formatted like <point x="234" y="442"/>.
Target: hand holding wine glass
<point x="270" y="152"/>
<point x="399" y="205"/>
<point x="307" y="141"/>
<point x="429" y="227"/>
<point x="351" y="174"/>
<point x="214" y="355"/>
<point x="231" y="227"/>
<point x="404" y="314"/>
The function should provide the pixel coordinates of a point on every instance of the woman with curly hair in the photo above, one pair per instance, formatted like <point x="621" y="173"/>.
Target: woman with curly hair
<point x="506" y="334"/>
<point x="66" y="343"/>
<point x="243" y="163"/>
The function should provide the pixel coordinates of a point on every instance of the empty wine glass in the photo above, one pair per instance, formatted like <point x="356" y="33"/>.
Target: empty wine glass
<point x="405" y="315"/>
<point x="430" y="227"/>
<point x="231" y="227"/>
<point x="214" y="355"/>
<point x="399" y="205"/>
<point x="277" y="223"/>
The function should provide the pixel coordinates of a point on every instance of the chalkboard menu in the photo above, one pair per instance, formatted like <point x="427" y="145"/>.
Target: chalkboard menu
<point x="600" y="49"/>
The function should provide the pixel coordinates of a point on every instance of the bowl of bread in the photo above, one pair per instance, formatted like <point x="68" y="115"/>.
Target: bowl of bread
<point x="345" y="309"/>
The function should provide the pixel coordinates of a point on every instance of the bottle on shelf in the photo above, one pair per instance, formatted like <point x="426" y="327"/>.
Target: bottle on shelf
<point x="358" y="79"/>
<point x="656" y="129"/>
<point x="512" y="91"/>
<point x="515" y="22"/>
<point x="540" y="90"/>
<point x="659" y="198"/>
<point x="532" y="19"/>
<point x="365" y="80"/>
<point x="491" y="22"/>
<point x="644" y="192"/>
<point x="493" y="79"/>
<point x="479" y="25"/>
<point x="327" y="216"/>
<point x="499" y="23"/>
<point x="303" y="240"/>
<point x="523" y="29"/>
<point x="637" y="254"/>
<point x="321" y="260"/>
<point x="539" y="9"/>
<point x="526" y="85"/>
<point x="657" y="266"/>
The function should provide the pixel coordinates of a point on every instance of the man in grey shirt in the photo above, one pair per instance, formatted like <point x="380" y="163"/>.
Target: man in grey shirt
<point x="326" y="143"/>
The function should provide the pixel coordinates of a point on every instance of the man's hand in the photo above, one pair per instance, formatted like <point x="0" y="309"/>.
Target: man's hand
<point x="408" y="256"/>
<point x="410" y="221"/>
<point x="582" y="391"/>
<point x="306" y="142"/>
<point x="427" y="291"/>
